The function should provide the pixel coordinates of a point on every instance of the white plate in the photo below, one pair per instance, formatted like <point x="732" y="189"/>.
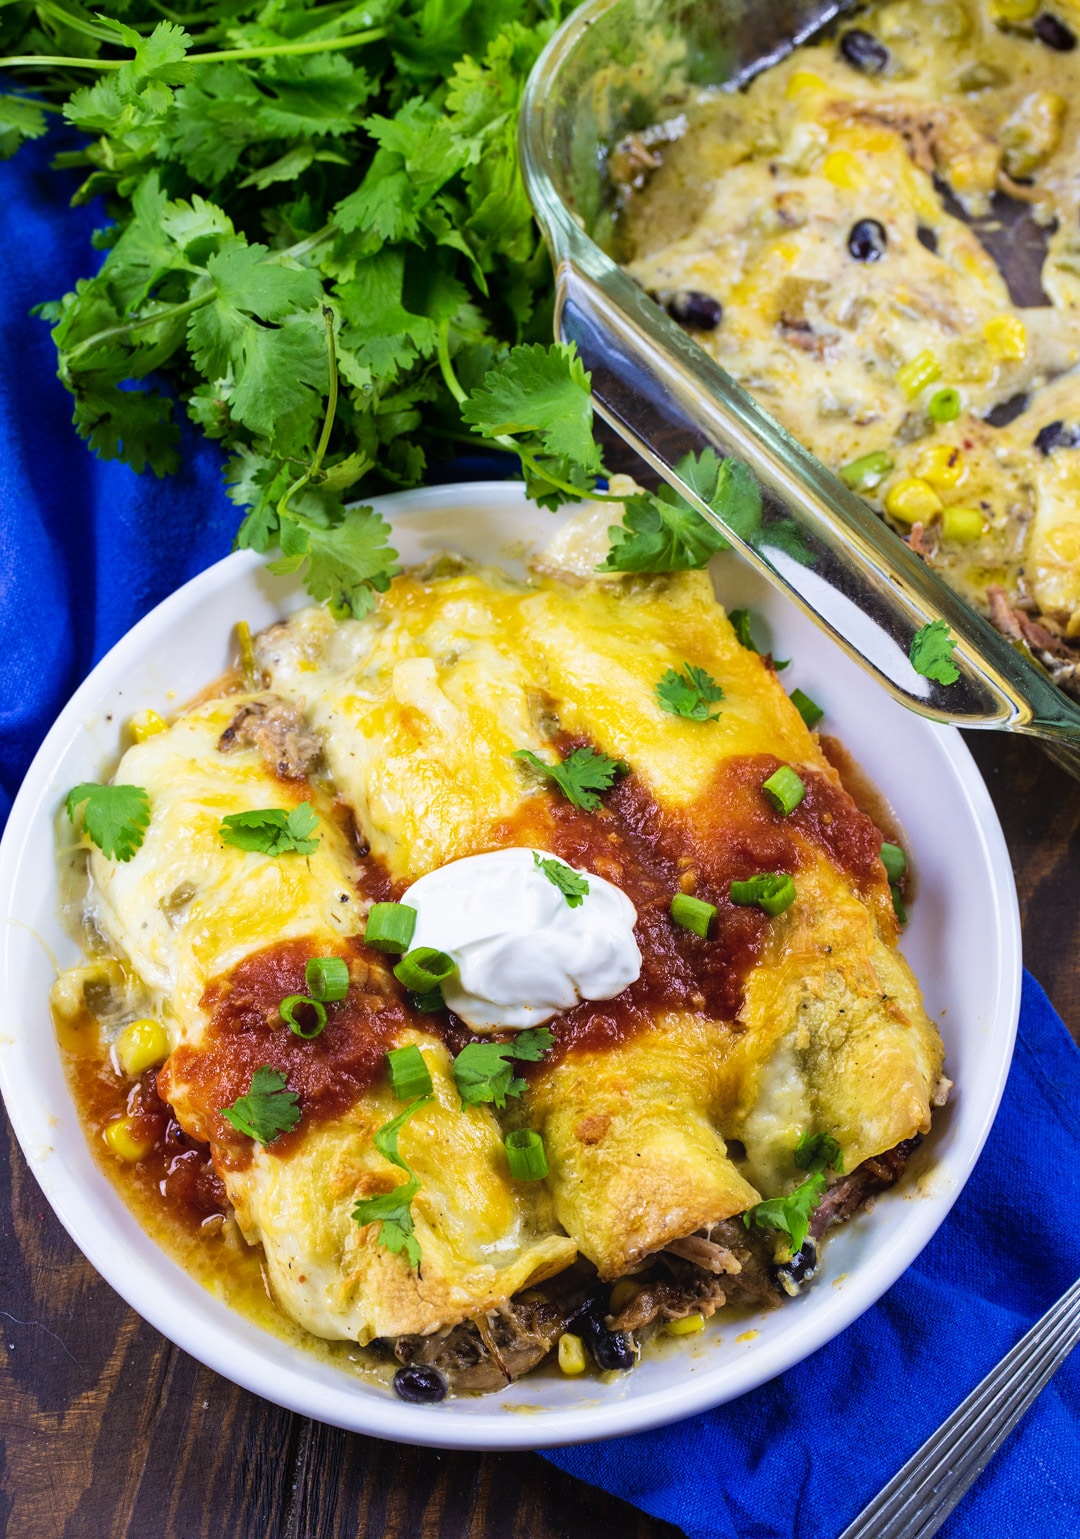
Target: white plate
<point x="963" y="942"/>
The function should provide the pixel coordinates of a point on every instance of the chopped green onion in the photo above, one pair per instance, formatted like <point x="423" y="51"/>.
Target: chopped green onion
<point x="898" y="904"/>
<point x="808" y="709"/>
<point x="693" y="913"/>
<point x="784" y="790"/>
<point x="773" y="893"/>
<point x="409" y="1074"/>
<point x="424" y="969"/>
<point x="894" y="860"/>
<point x="288" y="1008"/>
<point x="943" y="406"/>
<point x="525" y="1155"/>
<point x="327" y="978"/>
<point x="427" y="1003"/>
<point x="390" y="926"/>
<point x="863" y="474"/>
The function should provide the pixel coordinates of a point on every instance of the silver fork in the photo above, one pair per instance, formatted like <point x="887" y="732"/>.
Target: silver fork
<point x="919" y="1498"/>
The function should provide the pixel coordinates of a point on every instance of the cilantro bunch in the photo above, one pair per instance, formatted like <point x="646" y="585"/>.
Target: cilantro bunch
<point x="320" y="249"/>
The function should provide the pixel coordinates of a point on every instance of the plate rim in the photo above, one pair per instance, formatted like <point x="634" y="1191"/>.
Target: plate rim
<point x="381" y="1416"/>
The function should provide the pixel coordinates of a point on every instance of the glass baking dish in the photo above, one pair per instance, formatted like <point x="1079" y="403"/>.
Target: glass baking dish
<point x="619" y="66"/>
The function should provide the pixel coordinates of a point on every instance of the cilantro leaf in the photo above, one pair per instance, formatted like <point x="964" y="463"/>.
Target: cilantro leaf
<point x="573" y="886"/>
<point x="664" y="533"/>
<point x="531" y="1045"/>
<point x="819" y="1151"/>
<point x="482" y="1071"/>
<point x="20" y="119"/>
<point x="348" y="562"/>
<point x="741" y="622"/>
<point x="392" y="1211"/>
<point x="657" y="536"/>
<point x="689" y="693"/>
<point x="580" y="776"/>
<point x="931" y="653"/>
<point x="791" y="1214"/>
<point x="115" y="818"/>
<point x="267" y="1110"/>
<point x="272" y="830"/>
<point x="542" y="390"/>
<point x="815" y="1152"/>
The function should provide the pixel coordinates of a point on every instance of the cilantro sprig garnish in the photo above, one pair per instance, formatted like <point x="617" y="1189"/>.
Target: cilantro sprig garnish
<point x="791" y="1215"/>
<point x="321" y="251"/>
<point x="482" y="1071"/>
<point x="573" y="886"/>
<point x="272" y="830"/>
<point x="115" y="818"/>
<point x="580" y="776"/>
<point x="392" y="1211"/>
<point x="931" y="653"/>
<point x="267" y="1110"/>
<point x="689" y="692"/>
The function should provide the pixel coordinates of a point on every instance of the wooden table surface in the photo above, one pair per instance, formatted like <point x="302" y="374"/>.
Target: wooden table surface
<point x="110" y="1432"/>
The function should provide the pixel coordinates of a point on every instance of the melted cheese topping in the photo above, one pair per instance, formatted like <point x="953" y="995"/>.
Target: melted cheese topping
<point x="754" y="205"/>
<point x="420" y="708"/>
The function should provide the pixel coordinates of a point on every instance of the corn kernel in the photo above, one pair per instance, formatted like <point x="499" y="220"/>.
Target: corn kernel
<point x="127" y="1141"/>
<point x="940" y="464"/>
<point x="913" y="377"/>
<point x="911" y="500"/>
<point x="685" y="1327"/>
<point x="1006" y="337"/>
<point x="803" y="81"/>
<point x="964" y="524"/>
<point x="571" y="1354"/>
<point x="147" y="724"/>
<point x="140" y="1046"/>
<point x="843" y="169"/>
<point x="623" y="1291"/>
<point x="1013" y="10"/>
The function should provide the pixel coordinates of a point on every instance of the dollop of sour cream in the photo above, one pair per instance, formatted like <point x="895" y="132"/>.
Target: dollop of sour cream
<point x="522" y="953"/>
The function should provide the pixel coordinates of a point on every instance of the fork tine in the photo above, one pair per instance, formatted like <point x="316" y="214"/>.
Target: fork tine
<point x="915" y="1503"/>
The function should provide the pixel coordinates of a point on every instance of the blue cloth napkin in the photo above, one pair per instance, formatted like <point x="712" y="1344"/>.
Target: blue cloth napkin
<point x="87" y="547"/>
<point x="800" y="1457"/>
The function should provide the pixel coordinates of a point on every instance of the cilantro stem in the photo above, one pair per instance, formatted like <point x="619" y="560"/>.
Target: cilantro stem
<point x="446" y="368"/>
<point x="328" y="420"/>
<point x="170" y="312"/>
<point x="577" y="492"/>
<point x="302" y="247"/>
<point x="221" y="55"/>
<point x="276" y="50"/>
<point x="76" y="23"/>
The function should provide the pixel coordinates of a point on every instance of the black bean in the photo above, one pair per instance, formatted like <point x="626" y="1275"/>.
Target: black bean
<point x="1052" y="31"/>
<point x="863" y="51"/>
<point x="1056" y="435"/>
<point x="927" y="237"/>
<point x="699" y="312"/>
<point x="419" y="1385"/>
<point x="610" y="1349"/>
<point x="867" y="241"/>
<point x="793" y="1275"/>
<point x="1004" y="412"/>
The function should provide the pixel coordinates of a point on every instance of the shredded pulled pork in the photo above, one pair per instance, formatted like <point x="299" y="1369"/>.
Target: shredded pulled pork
<point x="280" y="733"/>
<point x="724" y="1265"/>
<point x="1058" y="657"/>
<point x="852" y="1192"/>
<point x="477" y="1357"/>
<point x="695" y="1266"/>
